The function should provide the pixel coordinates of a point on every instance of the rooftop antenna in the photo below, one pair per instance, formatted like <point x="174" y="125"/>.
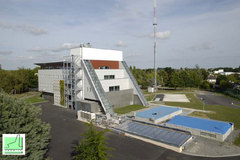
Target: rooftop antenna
<point x="154" y="35"/>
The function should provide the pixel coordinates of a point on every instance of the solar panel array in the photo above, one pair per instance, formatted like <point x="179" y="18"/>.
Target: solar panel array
<point x="157" y="133"/>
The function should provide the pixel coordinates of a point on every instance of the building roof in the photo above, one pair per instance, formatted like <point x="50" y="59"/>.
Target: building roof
<point x="50" y="65"/>
<point x="201" y="124"/>
<point x="157" y="112"/>
<point x="155" y="132"/>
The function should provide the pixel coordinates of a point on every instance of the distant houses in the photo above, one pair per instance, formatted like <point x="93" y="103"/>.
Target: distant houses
<point x="221" y="72"/>
<point x="212" y="79"/>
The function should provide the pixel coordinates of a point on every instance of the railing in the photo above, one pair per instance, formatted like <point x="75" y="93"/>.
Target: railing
<point x="141" y="96"/>
<point x="98" y="87"/>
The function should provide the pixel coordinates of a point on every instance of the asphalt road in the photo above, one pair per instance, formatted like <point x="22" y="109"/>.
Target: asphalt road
<point x="215" y="99"/>
<point x="66" y="132"/>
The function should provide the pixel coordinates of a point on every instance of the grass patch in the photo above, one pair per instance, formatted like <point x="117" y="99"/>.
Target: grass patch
<point x="149" y="97"/>
<point x="25" y="95"/>
<point x="128" y="109"/>
<point x="194" y="103"/>
<point x="237" y="141"/>
<point x="30" y="97"/>
<point x="199" y="114"/>
<point x="34" y="99"/>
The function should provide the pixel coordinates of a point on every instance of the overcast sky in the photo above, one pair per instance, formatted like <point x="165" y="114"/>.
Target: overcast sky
<point x="190" y="32"/>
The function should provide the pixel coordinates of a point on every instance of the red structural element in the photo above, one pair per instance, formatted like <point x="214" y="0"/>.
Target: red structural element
<point x="99" y="63"/>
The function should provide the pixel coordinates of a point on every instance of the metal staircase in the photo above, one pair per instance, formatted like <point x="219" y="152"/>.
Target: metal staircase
<point x="98" y="87"/>
<point x="139" y="92"/>
<point x="71" y="70"/>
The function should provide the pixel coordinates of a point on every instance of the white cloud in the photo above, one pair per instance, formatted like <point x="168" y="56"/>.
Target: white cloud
<point x="5" y="52"/>
<point x="159" y="35"/>
<point x="205" y="46"/>
<point x="132" y="55"/>
<point x="25" y="28"/>
<point x="163" y="35"/>
<point x="63" y="47"/>
<point x="120" y="44"/>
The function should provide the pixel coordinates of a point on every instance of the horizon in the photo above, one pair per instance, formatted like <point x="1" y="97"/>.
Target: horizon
<point x="188" y="32"/>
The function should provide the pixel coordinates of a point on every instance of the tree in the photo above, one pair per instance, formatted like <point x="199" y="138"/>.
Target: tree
<point x="19" y="117"/>
<point x="205" y="85"/>
<point x="220" y="78"/>
<point x="93" y="146"/>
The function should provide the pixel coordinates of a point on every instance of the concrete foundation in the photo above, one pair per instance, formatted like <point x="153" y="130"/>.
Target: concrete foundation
<point x="89" y="106"/>
<point x="120" y="98"/>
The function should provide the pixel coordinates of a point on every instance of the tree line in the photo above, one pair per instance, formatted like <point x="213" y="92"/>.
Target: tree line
<point x="18" y="81"/>
<point x="169" y="77"/>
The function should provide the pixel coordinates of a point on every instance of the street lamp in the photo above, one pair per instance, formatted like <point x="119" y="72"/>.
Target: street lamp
<point x="202" y="99"/>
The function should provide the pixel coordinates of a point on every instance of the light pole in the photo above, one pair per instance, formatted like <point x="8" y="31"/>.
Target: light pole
<point x="202" y="99"/>
<point x="154" y="35"/>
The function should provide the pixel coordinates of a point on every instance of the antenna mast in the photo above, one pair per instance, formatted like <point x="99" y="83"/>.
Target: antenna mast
<point x="154" y="34"/>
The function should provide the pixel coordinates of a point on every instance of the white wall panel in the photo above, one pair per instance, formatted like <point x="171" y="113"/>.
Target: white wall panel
<point x="119" y="73"/>
<point x="123" y="83"/>
<point x="98" y="54"/>
<point x="46" y="79"/>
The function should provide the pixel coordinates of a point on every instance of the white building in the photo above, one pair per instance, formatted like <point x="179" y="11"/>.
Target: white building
<point x="93" y="80"/>
<point x="221" y="71"/>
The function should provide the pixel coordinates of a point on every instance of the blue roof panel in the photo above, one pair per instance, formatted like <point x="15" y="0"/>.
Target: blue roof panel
<point x="202" y="124"/>
<point x="157" y="112"/>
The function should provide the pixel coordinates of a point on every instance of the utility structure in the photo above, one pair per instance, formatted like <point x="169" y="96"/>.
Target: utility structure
<point x="154" y="35"/>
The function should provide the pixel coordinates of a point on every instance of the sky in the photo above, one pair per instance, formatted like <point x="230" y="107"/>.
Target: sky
<point x="189" y="32"/>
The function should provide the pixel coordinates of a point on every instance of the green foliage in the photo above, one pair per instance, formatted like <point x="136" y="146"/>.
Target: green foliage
<point x="93" y="146"/>
<point x="205" y="85"/>
<point x="127" y="109"/>
<point x="237" y="141"/>
<point x="20" y="80"/>
<point x="61" y="92"/>
<point x="19" y="117"/>
<point x="169" y="77"/>
<point x="221" y="78"/>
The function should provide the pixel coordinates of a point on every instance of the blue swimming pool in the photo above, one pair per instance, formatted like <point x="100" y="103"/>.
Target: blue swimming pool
<point x="157" y="112"/>
<point x="201" y="124"/>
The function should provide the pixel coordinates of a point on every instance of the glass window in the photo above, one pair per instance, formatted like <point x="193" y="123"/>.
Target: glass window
<point x="109" y="76"/>
<point x="117" y="88"/>
<point x="111" y="89"/>
<point x="104" y="67"/>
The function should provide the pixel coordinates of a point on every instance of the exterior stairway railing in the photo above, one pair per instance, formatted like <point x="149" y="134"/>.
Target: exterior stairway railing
<point x="141" y="96"/>
<point x="98" y="87"/>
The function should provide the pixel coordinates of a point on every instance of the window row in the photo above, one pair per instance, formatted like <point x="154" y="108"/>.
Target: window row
<point x="104" y="67"/>
<point x="114" y="88"/>
<point x="109" y="76"/>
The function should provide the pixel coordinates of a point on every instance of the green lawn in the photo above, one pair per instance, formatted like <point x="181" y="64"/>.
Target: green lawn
<point x="149" y="96"/>
<point x="194" y="102"/>
<point x="128" y="109"/>
<point x="30" y="97"/>
<point x="34" y="99"/>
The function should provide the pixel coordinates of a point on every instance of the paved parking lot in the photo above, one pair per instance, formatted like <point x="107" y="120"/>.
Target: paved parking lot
<point x="215" y="99"/>
<point x="66" y="132"/>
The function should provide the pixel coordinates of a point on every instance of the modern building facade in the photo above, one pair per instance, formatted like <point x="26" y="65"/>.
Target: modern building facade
<point x="90" y="79"/>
